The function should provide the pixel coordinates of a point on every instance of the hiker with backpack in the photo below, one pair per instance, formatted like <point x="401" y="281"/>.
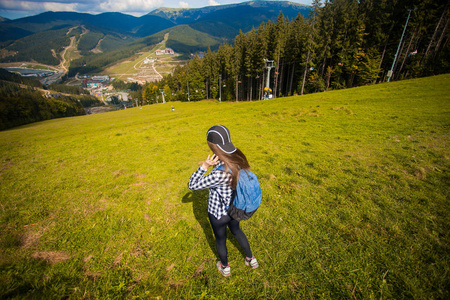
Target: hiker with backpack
<point x="230" y="182"/>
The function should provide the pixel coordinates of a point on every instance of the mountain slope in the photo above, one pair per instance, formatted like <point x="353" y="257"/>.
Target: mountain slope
<point x="227" y="22"/>
<point x="117" y="22"/>
<point x="181" y="38"/>
<point x="190" y="30"/>
<point x="210" y="19"/>
<point x="185" y="39"/>
<point x="43" y="47"/>
<point x="191" y="15"/>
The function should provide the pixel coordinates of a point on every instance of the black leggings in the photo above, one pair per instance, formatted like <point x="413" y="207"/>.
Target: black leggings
<point x="220" y="232"/>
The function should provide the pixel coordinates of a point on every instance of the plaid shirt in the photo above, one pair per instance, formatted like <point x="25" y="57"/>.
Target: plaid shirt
<point x="220" y="191"/>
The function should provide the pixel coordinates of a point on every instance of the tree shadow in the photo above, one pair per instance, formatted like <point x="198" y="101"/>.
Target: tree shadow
<point x="199" y="201"/>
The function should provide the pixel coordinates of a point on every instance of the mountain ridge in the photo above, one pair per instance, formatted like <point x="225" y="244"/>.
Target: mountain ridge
<point x="159" y="19"/>
<point x="211" y="26"/>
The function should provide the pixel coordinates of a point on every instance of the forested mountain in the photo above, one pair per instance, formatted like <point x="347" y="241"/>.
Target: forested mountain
<point x="45" y="47"/>
<point x="251" y="12"/>
<point x="10" y="32"/>
<point x="182" y="38"/>
<point x="343" y="43"/>
<point x="231" y="13"/>
<point x="109" y="37"/>
<point x="115" y="22"/>
<point x="185" y="39"/>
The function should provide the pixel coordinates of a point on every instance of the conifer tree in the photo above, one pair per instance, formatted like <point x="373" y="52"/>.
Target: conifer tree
<point x="315" y="12"/>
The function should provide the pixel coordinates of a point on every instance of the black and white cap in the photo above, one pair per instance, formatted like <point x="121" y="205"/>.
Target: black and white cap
<point x="220" y="135"/>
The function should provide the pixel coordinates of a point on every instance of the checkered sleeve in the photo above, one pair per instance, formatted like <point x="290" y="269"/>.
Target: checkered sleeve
<point x="220" y="192"/>
<point x="213" y="179"/>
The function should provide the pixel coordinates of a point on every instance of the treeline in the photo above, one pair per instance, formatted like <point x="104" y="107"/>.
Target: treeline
<point x="8" y="76"/>
<point x="121" y="85"/>
<point x="62" y="88"/>
<point x="20" y="105"/>
<point x="342" y="44"/>
<point x="134" y="89"/>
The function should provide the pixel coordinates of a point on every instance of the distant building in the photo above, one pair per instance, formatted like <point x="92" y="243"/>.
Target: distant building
<point x="149" y="60"/>
<point x="100" y="78"/>
<point x="93" y="84"/>
<point x="167" y="51"/>
<point x="96" y="82"/>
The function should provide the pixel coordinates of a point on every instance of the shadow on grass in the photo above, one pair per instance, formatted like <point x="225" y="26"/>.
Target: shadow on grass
<point x="199" y="201"/>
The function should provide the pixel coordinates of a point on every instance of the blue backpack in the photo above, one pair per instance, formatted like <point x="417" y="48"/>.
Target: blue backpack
<point x="246" y="198"/>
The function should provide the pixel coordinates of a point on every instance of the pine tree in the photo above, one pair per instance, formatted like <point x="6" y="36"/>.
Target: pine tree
<point x="316" y="8"/>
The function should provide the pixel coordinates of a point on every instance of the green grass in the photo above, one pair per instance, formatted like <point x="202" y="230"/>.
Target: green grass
<point x="355" y="204"/>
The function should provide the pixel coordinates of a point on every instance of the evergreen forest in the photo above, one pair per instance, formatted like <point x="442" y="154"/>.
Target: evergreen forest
<point x="22" y="101"/>
<point x="341" y="44"/>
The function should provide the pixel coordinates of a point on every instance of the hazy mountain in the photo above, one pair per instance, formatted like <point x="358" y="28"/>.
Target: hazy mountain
<point x="227" y="22"/>
<point x="191" y="15"/>
<point x="211" y="19"/>
<point x="39" y="37"/>
<point x="118" y="22"/>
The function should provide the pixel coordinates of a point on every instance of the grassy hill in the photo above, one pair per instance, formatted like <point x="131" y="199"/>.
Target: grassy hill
<point x="355" y="204"/>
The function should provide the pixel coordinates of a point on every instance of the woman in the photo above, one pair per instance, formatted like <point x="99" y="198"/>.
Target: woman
<point x="221" y="185"/>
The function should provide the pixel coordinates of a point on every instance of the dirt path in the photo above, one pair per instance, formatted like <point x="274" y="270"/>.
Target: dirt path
<point x="97" y="47"/>
<point x="62" y="64"/>
<point x="157" y="73"/>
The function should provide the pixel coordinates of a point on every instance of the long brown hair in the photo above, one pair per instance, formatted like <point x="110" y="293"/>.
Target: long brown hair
<point x="233" y="161"/>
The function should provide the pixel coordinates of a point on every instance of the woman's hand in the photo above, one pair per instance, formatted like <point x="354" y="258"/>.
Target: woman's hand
<point x="210" y="161"/>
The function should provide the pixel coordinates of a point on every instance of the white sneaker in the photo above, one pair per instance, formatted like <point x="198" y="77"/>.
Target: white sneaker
<point x="253" y="263"/>
<point x="224" y="270"/>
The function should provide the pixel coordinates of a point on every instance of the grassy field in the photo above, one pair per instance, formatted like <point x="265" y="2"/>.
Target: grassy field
<point x="355" y="200"/>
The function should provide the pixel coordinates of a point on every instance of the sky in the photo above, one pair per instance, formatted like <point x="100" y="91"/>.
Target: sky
<point x="14" y="9"/>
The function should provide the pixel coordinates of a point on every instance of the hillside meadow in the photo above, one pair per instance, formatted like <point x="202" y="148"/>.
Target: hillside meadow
<point x="355" y="200"/>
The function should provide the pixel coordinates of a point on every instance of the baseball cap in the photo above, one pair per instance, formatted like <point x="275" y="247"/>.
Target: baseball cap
<point x="220" y="135"/>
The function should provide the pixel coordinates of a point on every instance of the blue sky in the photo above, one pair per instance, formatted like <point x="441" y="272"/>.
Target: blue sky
<point x="13" y="9"/>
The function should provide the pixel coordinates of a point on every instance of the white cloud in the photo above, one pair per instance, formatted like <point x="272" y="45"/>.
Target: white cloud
<point x="90" y="6"/>
<point x="36" y="6"/>
<point x="183" y="4"/>
<point x="129" y="5"/>
<point x="58" y="6"/>
<point x="213" y="3"/>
